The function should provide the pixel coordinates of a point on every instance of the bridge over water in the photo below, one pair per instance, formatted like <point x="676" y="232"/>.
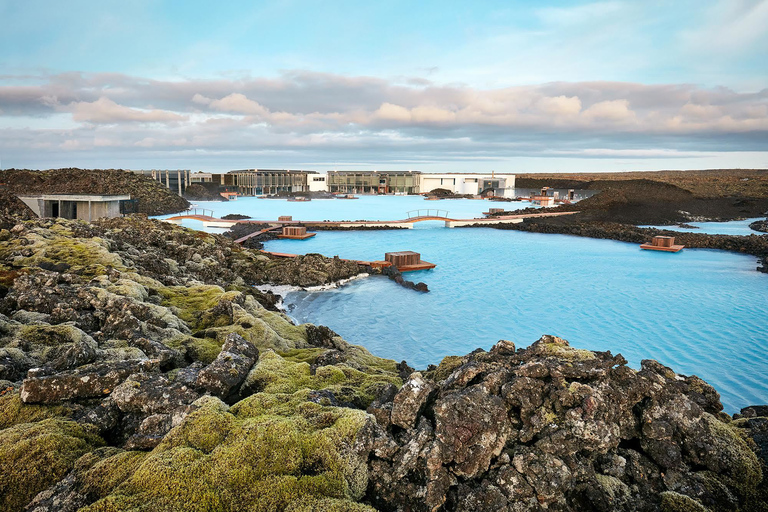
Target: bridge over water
<point x="412" y="217"/>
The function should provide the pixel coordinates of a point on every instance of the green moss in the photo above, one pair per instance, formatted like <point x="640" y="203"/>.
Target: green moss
<point x="565" y="352"/>
<point x="268" y="453"/>
<point x="190" y="301"/>
<point x="35" y="455"/>
<point x="675" y="502"/>
<point x="13" y="411"/>
<point x="206" y="428"/>
<point x="302" y="355"/>
<point x="106" y="474"/>
<point x="734" y="462"/>
<point x="52" y="335"/>
<point x="196" y="349"/>
<point x="275" y="374"/>
<point x="445" y="368"/>
<point x="85" y="256"/>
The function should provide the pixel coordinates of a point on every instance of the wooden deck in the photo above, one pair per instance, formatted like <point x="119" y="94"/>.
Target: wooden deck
<point x="672" y="248"/>
<point x="305" y="236"/>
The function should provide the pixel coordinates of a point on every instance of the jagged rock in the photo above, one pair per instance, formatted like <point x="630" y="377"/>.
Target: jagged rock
<point x="471" y="429"/>
<point x="410" y="400"/>
<point x="230" y="368"/>
<point x="91" y="381"/>
<point x="167" y="357"/>
<point x="552" y="427"/>
<point x="147" y="394"/>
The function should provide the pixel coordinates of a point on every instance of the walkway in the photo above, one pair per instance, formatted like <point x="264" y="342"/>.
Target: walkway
<point x="209" y="221"/>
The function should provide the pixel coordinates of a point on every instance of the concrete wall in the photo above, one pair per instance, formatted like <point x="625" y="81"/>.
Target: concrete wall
<point x="317" y="182"/>
<point x="468" y="183"/>
<point x="73" y="209"/>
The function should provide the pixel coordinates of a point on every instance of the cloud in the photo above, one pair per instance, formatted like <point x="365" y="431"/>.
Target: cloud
<point x="237" y="103"/>
<point x="107" y="111"/>
<point x="320" y="115"/>
<point x="611" y="110"/>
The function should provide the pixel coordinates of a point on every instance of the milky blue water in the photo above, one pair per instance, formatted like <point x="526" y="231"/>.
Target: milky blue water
<point x="364" y="208"/>
<point x="701" y="312"/>
<point x="735" y="227"/>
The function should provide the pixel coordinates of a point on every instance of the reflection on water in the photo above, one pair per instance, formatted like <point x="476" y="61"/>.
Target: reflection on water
<point x="701" y="312"/>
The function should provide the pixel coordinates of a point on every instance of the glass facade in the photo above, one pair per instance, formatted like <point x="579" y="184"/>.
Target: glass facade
<point x="374" y="182"/>
<point x="257" y="182"/>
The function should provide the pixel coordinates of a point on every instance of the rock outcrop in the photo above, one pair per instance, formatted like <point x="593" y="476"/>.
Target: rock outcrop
<point x="553" y="427"/>
<point x="153" y="197"/>
<point x="760" y="225"/>
<point x="12" y="210"/>
<point x="198" y="192"/>
<point x="140" y="370"/>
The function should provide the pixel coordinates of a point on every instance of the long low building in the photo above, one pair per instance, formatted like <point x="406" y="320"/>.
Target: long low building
<point x="497" y="184"/>
<point x="86" y="207"/>
<point x="416" y="182"/>
<point x="374" y="182"/>
<point x="254" y="182"/>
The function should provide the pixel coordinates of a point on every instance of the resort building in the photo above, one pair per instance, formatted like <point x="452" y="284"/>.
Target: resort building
<point x="318" y="182"/>
<point x="500" y="185"/>
<point x="79" y="206"/>
<point x="374" y="182"/>
<point x="177" y="180"/>
<point x="255" y="182"/>
<point x="201" y="177"/>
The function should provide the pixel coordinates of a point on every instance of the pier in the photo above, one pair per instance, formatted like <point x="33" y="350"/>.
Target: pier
<point x="403" y="261"/>
<point x="663" y="243"/>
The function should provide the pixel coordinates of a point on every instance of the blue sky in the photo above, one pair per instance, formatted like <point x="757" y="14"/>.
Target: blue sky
<point x="514" y="86"/>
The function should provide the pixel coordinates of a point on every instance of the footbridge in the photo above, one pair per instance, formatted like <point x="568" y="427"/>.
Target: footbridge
<point x="412" y="218"/>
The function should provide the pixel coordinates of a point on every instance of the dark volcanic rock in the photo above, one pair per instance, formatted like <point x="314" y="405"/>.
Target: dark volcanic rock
<point x="410" y="400"/>
<point x="760" y="225"/>
<point x="551" y="427"/>
<point x="90" y="381"/>
<point x="197" y="192"/>
<point x="224" y="375"/>
<point x="153" y="197"/>
<point x="152" y="394"/>
<point x="12" y="211"/>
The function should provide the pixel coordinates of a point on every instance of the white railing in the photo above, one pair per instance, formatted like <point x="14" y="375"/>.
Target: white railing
<point x="427" y="213"/>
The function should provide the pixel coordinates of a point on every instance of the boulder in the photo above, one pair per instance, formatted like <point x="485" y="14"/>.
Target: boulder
<point x="91" y="381"/>
<point x="410" y="400"/>
<point x="230" y="368"/>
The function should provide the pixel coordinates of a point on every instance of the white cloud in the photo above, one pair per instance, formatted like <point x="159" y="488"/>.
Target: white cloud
<point x="105" y="110"/>
<point x="611" y="110"/>
<point x="372" y="118"/>
<point x="237" y="103"/>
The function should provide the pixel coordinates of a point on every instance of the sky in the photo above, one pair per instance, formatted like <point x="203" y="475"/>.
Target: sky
<point x="436" y="86"/>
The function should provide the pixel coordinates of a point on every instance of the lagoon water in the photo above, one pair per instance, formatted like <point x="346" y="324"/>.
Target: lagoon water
<point x="736" y="227"/>
<point x="363" y="208"/>
<point x="699" y="311"/>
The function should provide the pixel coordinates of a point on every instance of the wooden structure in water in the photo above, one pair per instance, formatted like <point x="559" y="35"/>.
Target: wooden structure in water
<point x="491" y="211"/>
<point x="295" y="233"/>
<point x="285" y="218"/>
<point x="663" y="243"/>
<point x="407" y="261"/>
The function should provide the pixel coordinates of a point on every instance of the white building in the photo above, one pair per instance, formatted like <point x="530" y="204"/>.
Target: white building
<point x="502" y="184"/>
<point x="317" y="182"/>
